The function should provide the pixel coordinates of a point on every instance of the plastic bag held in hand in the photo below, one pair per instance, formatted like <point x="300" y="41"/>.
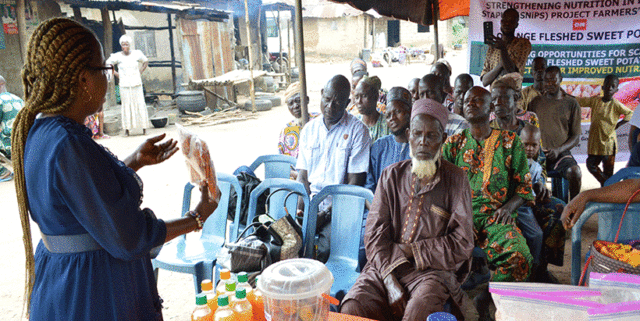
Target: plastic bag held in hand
<point x="199" y="162"/>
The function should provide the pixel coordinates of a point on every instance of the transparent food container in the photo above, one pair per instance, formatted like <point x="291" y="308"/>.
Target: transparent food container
<point x="293" y="290"/>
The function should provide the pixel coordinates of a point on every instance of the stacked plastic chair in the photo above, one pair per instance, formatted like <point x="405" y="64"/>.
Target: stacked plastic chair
<point x="198" y="256"/>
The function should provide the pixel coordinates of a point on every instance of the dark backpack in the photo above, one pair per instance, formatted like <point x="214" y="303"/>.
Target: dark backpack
<point x="248" y="183"/>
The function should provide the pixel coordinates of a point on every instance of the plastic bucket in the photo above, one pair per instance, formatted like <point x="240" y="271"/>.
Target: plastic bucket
<point x="293" y="290"/>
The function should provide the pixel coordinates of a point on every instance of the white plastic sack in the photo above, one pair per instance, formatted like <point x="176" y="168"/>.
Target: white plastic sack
<point x="616" y="287"/>
<point x="535" y="302"/>
<point x="623" y="311"/>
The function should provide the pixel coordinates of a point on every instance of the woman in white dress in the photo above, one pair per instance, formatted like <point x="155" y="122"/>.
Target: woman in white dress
<point x="131" y="63"/>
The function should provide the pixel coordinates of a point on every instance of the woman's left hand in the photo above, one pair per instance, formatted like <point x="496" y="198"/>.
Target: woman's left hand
<point x="152" y="152"/>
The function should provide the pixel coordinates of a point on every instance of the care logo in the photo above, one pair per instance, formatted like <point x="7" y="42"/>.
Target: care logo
<point x="579" y="24"/>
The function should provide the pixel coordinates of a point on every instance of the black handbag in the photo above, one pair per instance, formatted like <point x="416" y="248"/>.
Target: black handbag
<point x="248" y="183"/>
<point x="271" y="241"/>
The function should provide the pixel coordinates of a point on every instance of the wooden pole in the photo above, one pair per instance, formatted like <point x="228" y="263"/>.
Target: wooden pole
<point x="107" y="43"/>
<point x="77" y="14"/>
<point x="108" y="32"/>
<point x="434" y="10"/>
<point x="295" y="37"/>
<point x="364" y="19"/>
<point x="280" y="41"/>
<point x="301" y="67"/>
<point x="260" y="60"/>
<point x="173" y="54"/>
<point x="253" y="88"/>
<point x="373" y="37"/>
<point x="289" y="47"/>
<point x="22" y="28"/>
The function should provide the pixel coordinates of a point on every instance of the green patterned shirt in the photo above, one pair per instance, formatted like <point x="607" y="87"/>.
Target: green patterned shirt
<point x="378" y="130"/>
<point x="11" y="105"/>
<point x="494" y="183"/>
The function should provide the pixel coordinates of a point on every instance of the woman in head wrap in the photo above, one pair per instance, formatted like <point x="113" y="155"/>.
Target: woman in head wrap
<point x="93" y="262"/>
<point x="290" y="134"/>
<point x="357" y="64"/>
<point x="131" y="63"/>
<point x="382" y="95"/>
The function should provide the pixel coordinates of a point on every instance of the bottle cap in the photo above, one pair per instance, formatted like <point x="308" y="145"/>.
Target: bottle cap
<point x="225" y="274"/>
<point x="201" y="299"/>
<point x="206" y="285"/>
<point x="241" y="294"/>
<point x="230" y="286"/>
<point x="223" y="300"/>
<point x="243" y="277"/>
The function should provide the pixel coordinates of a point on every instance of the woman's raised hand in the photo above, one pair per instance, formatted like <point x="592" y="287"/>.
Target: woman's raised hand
<point x="152" y="152"/>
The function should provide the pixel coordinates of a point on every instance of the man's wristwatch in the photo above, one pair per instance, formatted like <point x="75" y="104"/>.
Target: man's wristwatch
<point x="198" y="219"/>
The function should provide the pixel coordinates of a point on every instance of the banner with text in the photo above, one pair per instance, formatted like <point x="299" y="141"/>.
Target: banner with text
<point x="587" y="39"/>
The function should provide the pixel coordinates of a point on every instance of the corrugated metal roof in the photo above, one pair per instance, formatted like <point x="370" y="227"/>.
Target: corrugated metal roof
<point x="187" y="10"/>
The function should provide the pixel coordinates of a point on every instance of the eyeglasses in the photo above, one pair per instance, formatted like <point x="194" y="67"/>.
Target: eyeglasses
<point x="106" y="69"/>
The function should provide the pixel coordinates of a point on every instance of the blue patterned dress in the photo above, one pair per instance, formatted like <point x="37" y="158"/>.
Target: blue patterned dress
<point x="76" y="186"/>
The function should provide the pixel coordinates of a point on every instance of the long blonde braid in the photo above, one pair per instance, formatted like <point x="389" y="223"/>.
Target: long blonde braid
<point x="58" y="51"/>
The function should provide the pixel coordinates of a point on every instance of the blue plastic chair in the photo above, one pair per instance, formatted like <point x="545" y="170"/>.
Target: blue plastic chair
<point x="308" y="222"/>
<point x="198" y="256"/>
<point x="347" y="212"/>
<point x="609" y="215"/>
<point x="441" y="316"/>
<point x="559" y="186"/>
<point x="275" y="166"/>
<point x="622" y="174"/>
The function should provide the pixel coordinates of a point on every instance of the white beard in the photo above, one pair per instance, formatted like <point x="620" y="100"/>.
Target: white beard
<point x="424" y="168"/>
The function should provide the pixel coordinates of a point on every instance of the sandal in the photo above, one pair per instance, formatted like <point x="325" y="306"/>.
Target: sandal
<point x="7" y="177"/>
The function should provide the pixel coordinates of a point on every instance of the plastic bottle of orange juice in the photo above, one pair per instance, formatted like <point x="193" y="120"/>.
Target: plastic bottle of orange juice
<point x="225" y="275"/>
<point x="212" y="297"/>
<point x="257" y="304"/>
<point x="230" y="291"/>
<point x="241" y="306"/>
<point x="202" y="311"/>
<point x="224" y="312"/>
<point x="243" y="283"/>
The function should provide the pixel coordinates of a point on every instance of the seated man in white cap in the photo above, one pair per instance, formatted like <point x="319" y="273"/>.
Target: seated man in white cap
<point x="419" y="234"/>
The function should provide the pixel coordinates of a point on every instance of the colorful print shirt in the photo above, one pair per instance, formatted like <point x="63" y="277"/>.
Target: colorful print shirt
<point x="527" y="116"/>
<point x="541" y="159"/>
<point x="518" y="49"/>
<point x="494" y="183"/>
<point x="10" y="105"/>
<point x="379" y="130"/>
<point x="290" y="137"/>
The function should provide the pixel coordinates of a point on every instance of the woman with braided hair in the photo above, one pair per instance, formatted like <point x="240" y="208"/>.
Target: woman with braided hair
<point x="93" y="262"/>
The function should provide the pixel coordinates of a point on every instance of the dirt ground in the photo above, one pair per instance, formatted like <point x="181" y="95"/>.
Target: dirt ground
<point x="232" y="145"/>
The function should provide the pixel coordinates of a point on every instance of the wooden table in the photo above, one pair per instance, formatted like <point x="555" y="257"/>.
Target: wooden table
<point x="344" y="317"/>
